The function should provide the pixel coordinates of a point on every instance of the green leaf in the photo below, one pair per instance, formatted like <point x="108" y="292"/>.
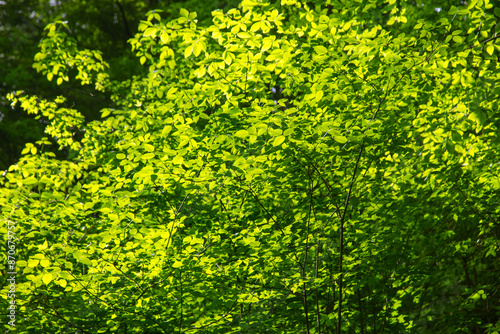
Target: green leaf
<point x="320" y="49"/>
<point x="319" y="95"/>
<point x="490" y="49"/>
<point x="228" y="57"/>
<point x="450" y="146"/>
<point x="33" y="262"/>
<point x="196" y="49"/>
<point x="47" y="278"/>
<point x="478" y="116"/>
<point x="30" y="180"/>
<point x="148" y="156"/>
<point x="62" y="282"/>
<point x="256" y="26"/>
<point x="244" y="35"/>
<point x="184" y="13"/>
<point x="171" y="93"/>
<point x="105" y="113"/>
<point x="146" y="171"/>
<point x="278" y="140"/>
<point x="150" y="31"/>
<point x="85" y="261"/>
<point x="340" y="139"/>
<point x="166" y="130"/>
<point x="165" y="38"/>
<point x="188" y="51"/>
<point x="241" y="134"/>
<point x="178" y="160"/>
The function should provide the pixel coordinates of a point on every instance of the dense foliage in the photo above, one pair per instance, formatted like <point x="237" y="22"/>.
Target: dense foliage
<point x="104" y="25"/>
<point x="319" y="167"/>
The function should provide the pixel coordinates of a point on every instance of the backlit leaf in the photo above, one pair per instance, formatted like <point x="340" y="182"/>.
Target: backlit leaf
<point x="47" y="278"/>
<point x="278" y="140"/>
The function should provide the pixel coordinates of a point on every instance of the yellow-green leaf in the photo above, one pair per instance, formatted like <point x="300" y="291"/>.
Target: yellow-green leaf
<point x="319" y="95"/>
<point x="150" y="31"/>
<point x="33" y="263"/>
<point x="85" y="260"/>
<point x="30" y="180"/>
<point x="105" y="112"/>
<point x="166" y="130"/>
<point x="201" y="72"/>
<point x="255" y="26"/>
<point x="278" y="140"/>
<point x="165" y="38"/>
<point x="62" y="282"/>
<point x="228" y="57"/>
<point x="148" y="156"/>
<point x="320" y="49"/>
<point x="188" y="51"/>
<point x="47" y="278"/>
<point x="266" y="45"/>
<point x="196" y="49"/>
<point x="340" y="139"/>
<point x="490" y="49"/>
<point x="244" y="35"/>
<point x="241" y="133"/>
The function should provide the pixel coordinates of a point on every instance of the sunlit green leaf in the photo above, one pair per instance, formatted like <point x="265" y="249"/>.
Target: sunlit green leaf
<point x="47" y="278"/>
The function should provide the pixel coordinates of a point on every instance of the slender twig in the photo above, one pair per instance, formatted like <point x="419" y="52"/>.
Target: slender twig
<point x="181" y="317"/>
<point x="304" y="266"/>
<point x="125" y="21"/>
<point x="318" y="322"/>
<point x="341" y="231"/>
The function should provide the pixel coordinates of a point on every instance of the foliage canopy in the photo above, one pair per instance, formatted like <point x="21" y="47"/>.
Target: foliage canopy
<point x="291" y="167"/>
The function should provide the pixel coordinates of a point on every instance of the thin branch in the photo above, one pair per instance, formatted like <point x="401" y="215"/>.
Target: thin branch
<point x="341" y="231"/>
<point x="125" y="21"/>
